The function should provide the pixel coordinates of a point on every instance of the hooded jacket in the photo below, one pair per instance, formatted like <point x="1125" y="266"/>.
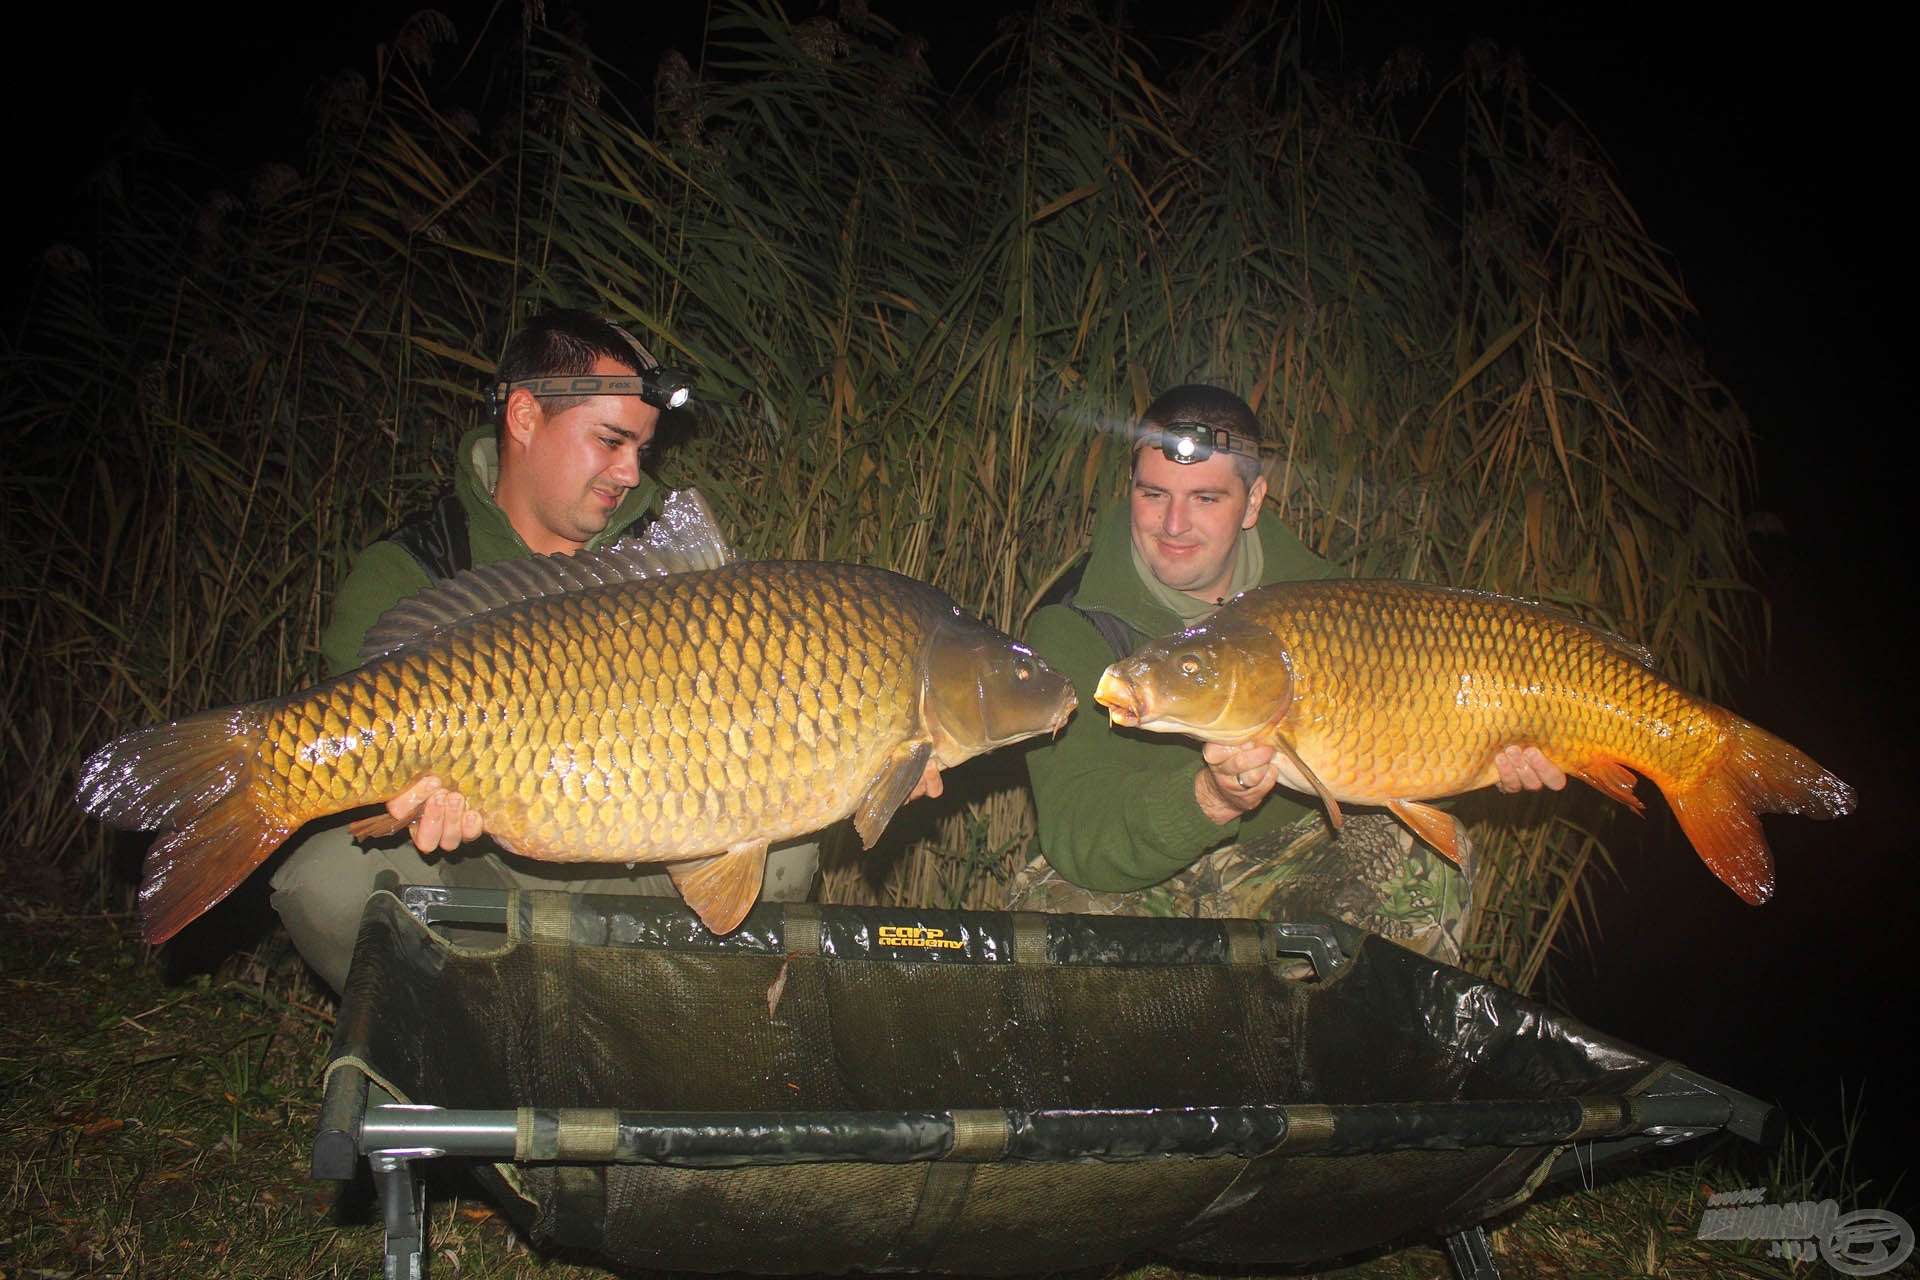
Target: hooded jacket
<point x="1116" y="808"/>
<point x="385" y="573"/>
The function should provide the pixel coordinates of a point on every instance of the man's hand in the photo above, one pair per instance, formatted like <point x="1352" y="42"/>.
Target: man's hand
<point x="1525" y="769"/>
<point x="439" y="818"/>
<point x="1234" y="780"/>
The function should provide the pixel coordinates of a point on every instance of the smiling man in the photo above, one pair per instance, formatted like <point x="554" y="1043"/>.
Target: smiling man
<point x="551" y="472"/>
<point x="567" y="466"/>
<point x="575" y="404"/>
<point x="1152" y="825"/>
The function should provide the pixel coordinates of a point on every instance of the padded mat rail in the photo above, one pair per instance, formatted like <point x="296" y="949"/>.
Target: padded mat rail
<point x="722" y="1139"/>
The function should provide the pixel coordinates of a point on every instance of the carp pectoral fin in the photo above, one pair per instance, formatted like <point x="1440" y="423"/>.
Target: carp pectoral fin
<point x="1285" y="748"/>
<point x="721" y="889"/>
<point x="889" y="791"/>
<point x="375" y="826"/>
<point x="1435" y="826"/>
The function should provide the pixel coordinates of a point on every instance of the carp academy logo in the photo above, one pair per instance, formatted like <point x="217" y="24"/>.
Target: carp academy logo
<point x="905" y="935"/>
<point x="1868" y="1242"/>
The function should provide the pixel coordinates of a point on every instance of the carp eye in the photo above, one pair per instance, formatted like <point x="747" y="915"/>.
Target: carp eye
<point x="1189" y="666"/>
<point x="1023" y="672"/>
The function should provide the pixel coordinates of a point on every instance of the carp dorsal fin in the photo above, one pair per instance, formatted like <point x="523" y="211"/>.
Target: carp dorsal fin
<point x="684" y="538"/>
<point x="1633" y="649"/>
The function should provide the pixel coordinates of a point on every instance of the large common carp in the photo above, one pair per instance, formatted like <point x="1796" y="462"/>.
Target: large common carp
<point x="651" y="702"/>
<point x="1394" y="693"/>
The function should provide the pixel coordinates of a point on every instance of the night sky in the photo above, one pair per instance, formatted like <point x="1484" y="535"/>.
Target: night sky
<point x="1762" y="152"/>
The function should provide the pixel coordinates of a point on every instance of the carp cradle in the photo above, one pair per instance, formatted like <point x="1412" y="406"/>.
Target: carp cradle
<point x="834" y="1089"/>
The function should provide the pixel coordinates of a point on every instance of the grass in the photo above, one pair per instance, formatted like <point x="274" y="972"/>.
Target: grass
<point x="157" y="1128"/>
<point x="154" y="1129"/>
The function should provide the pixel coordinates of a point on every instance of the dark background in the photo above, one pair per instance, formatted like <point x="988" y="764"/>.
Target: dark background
<point x="1762" y="150"/>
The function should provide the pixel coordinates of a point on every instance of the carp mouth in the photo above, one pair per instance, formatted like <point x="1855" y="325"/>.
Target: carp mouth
<point x="981" y="691"/>
<point x="1134" y="700"/>
<point x="1118" y="695"/>
<point x="1062" y="712"/>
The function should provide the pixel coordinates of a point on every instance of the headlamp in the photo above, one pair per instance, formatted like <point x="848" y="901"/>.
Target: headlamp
<point x="661" y="387"/>
<point x="1184" y="440"/>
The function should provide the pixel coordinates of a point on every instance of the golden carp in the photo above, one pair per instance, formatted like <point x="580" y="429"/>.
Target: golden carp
<point x="650" y="702"/>
<point x="1394" y="693"/>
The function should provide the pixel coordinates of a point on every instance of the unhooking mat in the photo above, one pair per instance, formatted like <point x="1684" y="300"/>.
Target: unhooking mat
<point x="842" y="1088"/>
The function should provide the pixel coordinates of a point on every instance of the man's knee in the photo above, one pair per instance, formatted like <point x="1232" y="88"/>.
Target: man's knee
<point x="319" y="891"/>
<point x="790" y="872"/>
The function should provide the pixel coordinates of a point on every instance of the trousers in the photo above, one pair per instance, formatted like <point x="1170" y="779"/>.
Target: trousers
<point x="320" y="888"/>
<point x="1373" y="875"/>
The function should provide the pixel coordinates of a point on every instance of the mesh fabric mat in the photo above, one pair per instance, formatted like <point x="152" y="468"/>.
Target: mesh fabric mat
<point x="1109" y="1014"/>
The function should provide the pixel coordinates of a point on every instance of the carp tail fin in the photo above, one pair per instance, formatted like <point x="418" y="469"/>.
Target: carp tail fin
<point x="190" y="869"/>
<point x="1757" y="773"/>
<point x="191" y="780"/>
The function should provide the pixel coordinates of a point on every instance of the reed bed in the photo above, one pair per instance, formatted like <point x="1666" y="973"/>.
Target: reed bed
<point x="921" y="315"/>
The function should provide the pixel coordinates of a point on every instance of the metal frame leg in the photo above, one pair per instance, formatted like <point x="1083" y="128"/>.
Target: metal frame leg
<point x="403" y="1204"/>
<point x="1471" y="1255"/>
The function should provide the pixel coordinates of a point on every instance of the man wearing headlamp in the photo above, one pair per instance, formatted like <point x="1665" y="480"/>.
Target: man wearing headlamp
<point x="1146" y="824"/>
<point x="573" y="410"/>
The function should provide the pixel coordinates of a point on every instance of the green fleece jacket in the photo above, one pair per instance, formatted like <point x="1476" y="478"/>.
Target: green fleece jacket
<point x="384" y="573"/>
<point x="1116" y="808"/>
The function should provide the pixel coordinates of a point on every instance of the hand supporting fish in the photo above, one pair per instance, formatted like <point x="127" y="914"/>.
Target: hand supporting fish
<point x="1398" y="693"/>
<point x="438" y="820"/>
<point x="1236" y="778"/>
<point x="1527" y="769"/>
<point x="1233" y="779"/>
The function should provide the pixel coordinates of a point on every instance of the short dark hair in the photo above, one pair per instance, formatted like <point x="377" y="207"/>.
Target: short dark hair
<point x="563" y="343"/>
<point x="1214" y="407"/>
